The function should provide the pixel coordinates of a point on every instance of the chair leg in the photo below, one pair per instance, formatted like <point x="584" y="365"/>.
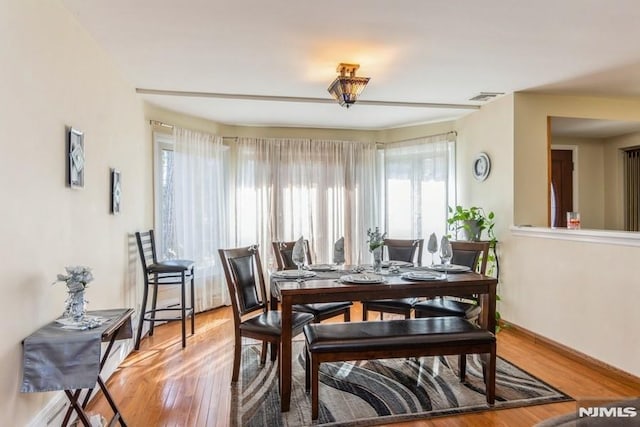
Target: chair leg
<point x="462" y="365"/>
<point x="490" y="376"/>
<point x="315" y="367"/>
<point x="193" y="305"/>
<point x="183" y="310"/>
<point x="154" y="301"/>
<point x="237" y="353"/>
<point x="365" y="312"/>
<point x="274" y="351"/>
<point x="307" y="373"/>
<point x="143" y="309"/>
<point x="347" y="315"/>
<point x="263" y="353"/>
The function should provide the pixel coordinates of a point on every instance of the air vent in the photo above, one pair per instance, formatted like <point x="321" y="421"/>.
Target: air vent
<point x="485" y="96"/>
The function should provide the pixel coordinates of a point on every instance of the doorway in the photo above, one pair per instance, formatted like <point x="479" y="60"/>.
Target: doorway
<point x="561" y="186"/>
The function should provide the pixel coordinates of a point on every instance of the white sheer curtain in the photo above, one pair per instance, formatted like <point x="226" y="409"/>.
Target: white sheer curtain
<point x="200" y="186"/>
<point x="419" y="181"/>
<point x="320" y="189"/>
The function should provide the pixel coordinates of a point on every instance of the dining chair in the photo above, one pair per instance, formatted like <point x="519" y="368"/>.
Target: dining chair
<point x="406" y="250"/>
<point x="470" y="254"/>
<point x="163" y="273"/>
<point x="282" y="252"/>
<point x="251" y="315"/>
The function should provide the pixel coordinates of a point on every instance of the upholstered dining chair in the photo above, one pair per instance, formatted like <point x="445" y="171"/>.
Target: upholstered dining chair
<point x="251" y="315"/>
<point x="283" y="252"/>
<point x="473" y="255"/>
<point x="406" y="250"/>
<point x="321" y="311"/>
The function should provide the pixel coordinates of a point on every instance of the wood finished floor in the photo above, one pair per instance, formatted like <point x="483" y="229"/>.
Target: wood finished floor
<point x="165" y="385"/>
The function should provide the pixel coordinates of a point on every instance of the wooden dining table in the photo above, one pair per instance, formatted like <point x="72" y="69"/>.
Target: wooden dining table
<point x="321" y="289"/>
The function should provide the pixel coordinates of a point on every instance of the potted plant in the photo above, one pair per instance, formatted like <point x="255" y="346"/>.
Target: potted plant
<point x="472" y="221"/>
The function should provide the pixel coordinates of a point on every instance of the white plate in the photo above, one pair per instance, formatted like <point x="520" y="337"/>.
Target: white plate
<point x="451" y="268"/>
<point x="421" y="276"/>
<point x="293" y="274"/>
<point x="321" y="267"/>
<point x="386" y="264"/>
<point x="362" y="278"/>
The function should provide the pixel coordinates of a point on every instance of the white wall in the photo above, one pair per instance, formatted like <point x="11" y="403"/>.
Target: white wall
<point x="54" y="75"/>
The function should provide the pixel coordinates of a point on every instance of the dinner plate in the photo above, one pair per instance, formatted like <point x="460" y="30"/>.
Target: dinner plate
<point x="421" y="276"/>
<point x="293" y="274"/>
<point x="450" y="268"/>
<point x="386" y="264"/>
<point x="321" y="267"/>
<point x="362" y="278"/>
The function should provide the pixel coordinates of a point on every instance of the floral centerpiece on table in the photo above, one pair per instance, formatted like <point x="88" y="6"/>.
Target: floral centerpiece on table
<point x="376" y="240"/>
<point x="77" y="279"/>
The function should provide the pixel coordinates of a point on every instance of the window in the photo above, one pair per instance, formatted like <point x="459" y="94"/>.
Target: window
<point x="419" y="185"/>
<point x="165" y="228"/>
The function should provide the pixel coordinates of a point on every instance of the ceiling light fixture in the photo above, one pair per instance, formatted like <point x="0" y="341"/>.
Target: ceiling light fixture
<point x="346" y="88"/>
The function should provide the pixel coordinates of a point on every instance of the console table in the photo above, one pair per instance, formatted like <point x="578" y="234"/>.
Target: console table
<point x="56" y="358"/>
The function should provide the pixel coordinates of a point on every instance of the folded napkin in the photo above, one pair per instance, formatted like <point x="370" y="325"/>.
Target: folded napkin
<point x="338" y="251"/>
<point x="298" y="251"/>
<point x="432" y="245"/>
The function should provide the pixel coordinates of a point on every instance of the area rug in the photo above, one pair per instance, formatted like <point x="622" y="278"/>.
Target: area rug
<point x="376" y="392"/>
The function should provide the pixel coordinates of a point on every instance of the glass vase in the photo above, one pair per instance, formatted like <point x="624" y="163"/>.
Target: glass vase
<point x="377" y="259"/>
<point x="76" y="306"/>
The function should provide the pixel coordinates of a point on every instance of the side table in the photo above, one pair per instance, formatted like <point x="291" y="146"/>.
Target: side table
<point x="56" y="358"/>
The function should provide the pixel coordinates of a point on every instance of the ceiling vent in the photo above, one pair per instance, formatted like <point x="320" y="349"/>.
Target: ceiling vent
<point x="485" y="96"/>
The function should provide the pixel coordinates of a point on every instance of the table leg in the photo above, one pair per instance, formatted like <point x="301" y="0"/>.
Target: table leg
<point x="285" y="354"/>
<point x="75" y="406"/>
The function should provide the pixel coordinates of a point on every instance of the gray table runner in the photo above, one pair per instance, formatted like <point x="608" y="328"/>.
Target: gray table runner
<point x="61" y="359"/>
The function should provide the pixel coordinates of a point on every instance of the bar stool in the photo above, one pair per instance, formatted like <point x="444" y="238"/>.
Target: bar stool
<point x="169" y="272"/>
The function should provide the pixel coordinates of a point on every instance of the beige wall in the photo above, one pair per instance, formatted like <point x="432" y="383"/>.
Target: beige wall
<point x="576" y="293"/>
<point x="53" y="75"/>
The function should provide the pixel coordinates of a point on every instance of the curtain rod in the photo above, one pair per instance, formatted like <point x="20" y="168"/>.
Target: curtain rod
<point x="451" y="132"/>
<point x="168" y="126"/>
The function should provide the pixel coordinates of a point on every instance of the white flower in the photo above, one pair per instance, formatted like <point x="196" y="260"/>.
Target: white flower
<point x="77" y="278"/>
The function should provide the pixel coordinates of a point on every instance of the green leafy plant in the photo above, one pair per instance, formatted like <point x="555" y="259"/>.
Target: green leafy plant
<point x="473" y="221"/>
<point x="376" y="239"/>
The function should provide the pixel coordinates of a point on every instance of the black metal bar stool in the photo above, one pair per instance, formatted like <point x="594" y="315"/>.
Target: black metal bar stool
<point x="169" y="272"/>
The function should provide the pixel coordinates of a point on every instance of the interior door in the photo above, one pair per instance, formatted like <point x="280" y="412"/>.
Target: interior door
<point x="561" y="186"/>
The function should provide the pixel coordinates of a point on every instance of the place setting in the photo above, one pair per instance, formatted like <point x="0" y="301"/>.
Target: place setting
<point x="362" y="278"/>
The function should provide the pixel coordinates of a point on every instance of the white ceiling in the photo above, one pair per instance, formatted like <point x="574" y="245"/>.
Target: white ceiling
<point x="423" y="51"/>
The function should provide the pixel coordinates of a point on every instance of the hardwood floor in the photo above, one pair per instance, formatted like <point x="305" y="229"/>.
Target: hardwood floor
<point x="165" y="385"/>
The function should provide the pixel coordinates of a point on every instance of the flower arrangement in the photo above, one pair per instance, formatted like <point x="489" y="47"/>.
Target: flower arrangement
<point x="77" y="278"/>
<point x="376" y="239"/>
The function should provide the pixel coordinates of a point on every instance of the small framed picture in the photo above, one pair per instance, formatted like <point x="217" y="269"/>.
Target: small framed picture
<point x="75" y="157"/>
<point x="116" y="191"/>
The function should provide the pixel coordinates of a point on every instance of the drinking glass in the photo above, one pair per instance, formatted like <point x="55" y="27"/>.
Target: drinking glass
<point x="432" y="247"/>
<point x="446" y="253"/>
<point x="299" y="261"/>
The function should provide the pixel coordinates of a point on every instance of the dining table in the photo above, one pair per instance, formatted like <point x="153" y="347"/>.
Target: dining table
<point x="327" y="286"/>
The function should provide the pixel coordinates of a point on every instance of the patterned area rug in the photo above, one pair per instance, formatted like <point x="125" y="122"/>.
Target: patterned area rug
<point x="380" y="391"/>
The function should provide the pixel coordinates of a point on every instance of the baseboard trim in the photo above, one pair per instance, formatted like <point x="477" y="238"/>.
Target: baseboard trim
<point x="573" y="354"/>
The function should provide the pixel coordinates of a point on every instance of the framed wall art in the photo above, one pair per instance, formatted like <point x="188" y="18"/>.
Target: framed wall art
<point x="116" y="191"/>
<point x="75" y="158"/>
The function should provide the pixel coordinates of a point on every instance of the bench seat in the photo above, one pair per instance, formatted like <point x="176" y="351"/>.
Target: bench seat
<point x="433" y="336"/>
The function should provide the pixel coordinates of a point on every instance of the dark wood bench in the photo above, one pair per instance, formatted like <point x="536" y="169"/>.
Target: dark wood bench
<point x="434" y="336"/>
